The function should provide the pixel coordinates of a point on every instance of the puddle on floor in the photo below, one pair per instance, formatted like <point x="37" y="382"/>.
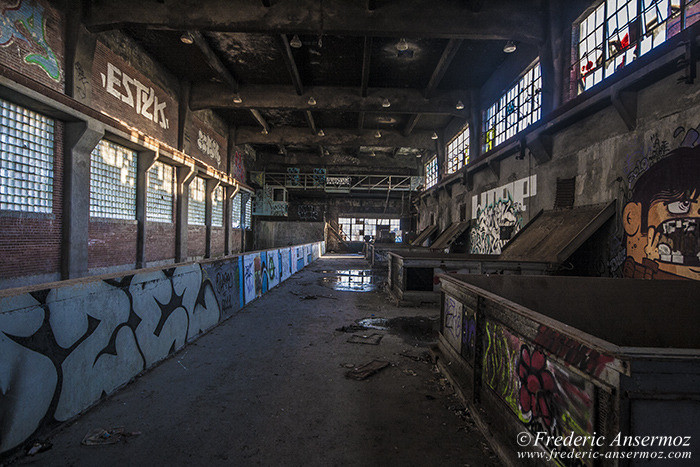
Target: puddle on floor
<point x="412" y="328"/>
<point x="352" y="280"/>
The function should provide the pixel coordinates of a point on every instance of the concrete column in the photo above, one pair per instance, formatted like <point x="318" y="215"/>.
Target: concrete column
<point x="475" y="125"/>
<point x="185" y="175"/>
<point x="228" y="207"/>
<point x="79" y="140"/>
<point x="144" y="163"/>
<point x="208" y="206"/>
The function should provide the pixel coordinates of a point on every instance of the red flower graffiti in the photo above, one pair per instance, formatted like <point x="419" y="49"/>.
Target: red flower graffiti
<point x="536" y="384"/>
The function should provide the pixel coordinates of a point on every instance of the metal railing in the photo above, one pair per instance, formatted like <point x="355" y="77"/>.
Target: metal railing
<point x="343" y="183"/>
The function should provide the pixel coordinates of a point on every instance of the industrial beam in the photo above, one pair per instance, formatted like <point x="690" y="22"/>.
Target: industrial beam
<point x="291" y="64"/>
<point x="261" y="120"/>
<point x="443" y="64"/>
<point x="334" y="137"/>
<point x="366" y="55"/>
<point x="321" y="150"/>
<point x="411" y="124"/>
<point x="214" y="60"/>
<point x="311" y="122"/>
<point x="361" y="121"/>
<point x="343" y="99"/>
<point x="518" y="20"/>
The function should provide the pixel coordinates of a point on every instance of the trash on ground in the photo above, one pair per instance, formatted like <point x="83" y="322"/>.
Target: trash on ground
<point x="39" y="446"/>
<point x="410" y="372"/>
<point x="312" y="297"/>
<point x="365" y="371"/>
<point x="372" y="339"/>
<point x="423" y="357"/>
<point x="351" y="328"/>
<point x="100" y="436"/>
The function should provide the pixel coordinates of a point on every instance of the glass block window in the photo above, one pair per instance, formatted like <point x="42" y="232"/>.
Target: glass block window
<point x="431" y="172"/>
<point x="112" y="181"/>
<point x="518" y="108"/>
<point x="616" y="33"/>
<point x="458" y="151"/>
<point x="355" y="229"/>
<point x="236" y="211"/>
<point x="160" y="189"/>
<point x="217" y="207"/>
<point x="26" y="160"/>
<point x="196" y="205"/>
<point x="248" y="214"/>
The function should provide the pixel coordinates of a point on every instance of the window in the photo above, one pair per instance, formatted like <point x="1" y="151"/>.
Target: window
<point x="236" y="211"/>
<point x="160" y="191"/>
<point x="248" y="214"/>
<point x="431" y="172"/>
<point x="196" y="207"/>
<point x="518" y="108"/>
<point x="112" y="181"/>
<point x="355" y="229"/>
<point x="26" y="160"/>
<point x="217" y="207"/>
<point x="616" y="33"/>
<point x="458" y="151"/>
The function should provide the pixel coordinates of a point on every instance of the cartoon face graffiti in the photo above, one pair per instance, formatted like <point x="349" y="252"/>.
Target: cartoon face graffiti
<point x="662" y="219"/>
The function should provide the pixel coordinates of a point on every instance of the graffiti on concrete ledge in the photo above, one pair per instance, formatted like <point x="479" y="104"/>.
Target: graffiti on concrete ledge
<point x="25" y="21"/>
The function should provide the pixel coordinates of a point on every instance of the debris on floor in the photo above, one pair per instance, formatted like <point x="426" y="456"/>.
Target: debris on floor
<point x="372" y="339"/>
<point x="422" y="357"/>
<point x="351" y="328"/>
<point x="368" y="369"/>
<point x="311" y="297"/>
<point x="39" y="446"/>
<point x="100" y="436"/>
<point x="410" y="372"/>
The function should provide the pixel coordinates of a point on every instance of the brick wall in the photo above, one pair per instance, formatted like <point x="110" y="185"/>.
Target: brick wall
<point x="236" y="240"/>
<point x="217" y="241"/>
<point x="196" y="240"/>
<point x="31" y="242"/>
<point x="160" y="241"/>
<point x="111" y="243"/>
<point x="44" y="39"/>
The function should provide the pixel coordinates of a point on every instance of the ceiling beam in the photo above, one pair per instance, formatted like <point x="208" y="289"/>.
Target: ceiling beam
<point x="361" y="121"/>
<point x="366" y="55"/>
<point x="411" y="124"/>
<point x="321" y="150"/>
<point x="212" y="95"/>
<point x="518" y="20"/>
<point x="261" y="120"/>
<point x="334" y="137"/>
<point x="311" y="122"/>
<point x="214" y="60"/>
<point x="443" y="64"/>
<point x="291" y="64"/>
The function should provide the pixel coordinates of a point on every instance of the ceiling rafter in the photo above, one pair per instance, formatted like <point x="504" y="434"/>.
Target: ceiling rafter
<point x="328" y="98"/>
<point x="311" y="122"/>
<point x="408" y="18"/>
<point x="261" y="120"/>
<point x="334" y="137"/>
<point x="291" y="64"/>
<point x="366" y="56"/>
<point x="214" y="61"/>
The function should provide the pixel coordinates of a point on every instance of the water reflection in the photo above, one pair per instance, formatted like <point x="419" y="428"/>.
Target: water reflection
<point x="352" y="280"/>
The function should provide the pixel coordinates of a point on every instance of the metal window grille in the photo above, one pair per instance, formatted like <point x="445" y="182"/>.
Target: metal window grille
<point x="217" y="207"/>
<point x="236" y="211"/>
<point x="196" y="206"/>
<point x="431" y="172"/>
<point x="515" y="110"/>
<point x="112" y="181"/>
<point x="355" y="229"/>
<point x="160" y="193"/>
<point x="458" y="151"/>
<point x="26" y="159"/>
<point x="619" y="31"/>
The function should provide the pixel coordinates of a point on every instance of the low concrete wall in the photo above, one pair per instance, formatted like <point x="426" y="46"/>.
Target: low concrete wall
<point x="66" y="344"/>
<point x="274" y="234"/>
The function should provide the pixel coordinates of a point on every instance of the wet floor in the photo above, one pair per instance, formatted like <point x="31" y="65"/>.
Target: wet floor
<point x="270" y="386"/>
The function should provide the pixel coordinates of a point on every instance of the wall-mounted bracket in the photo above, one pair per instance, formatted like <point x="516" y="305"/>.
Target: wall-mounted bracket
<point x="625" y="102"/>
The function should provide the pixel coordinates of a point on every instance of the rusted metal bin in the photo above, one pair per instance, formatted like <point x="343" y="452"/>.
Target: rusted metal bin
<point x="412" y="276"/>
<point x="541" y="357"/>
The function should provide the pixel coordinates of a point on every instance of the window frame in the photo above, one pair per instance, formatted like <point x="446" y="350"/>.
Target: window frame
<point x="431" y="169"/>
<point x="154" y="212"/>
<point x="110" y="200"/>
<point x="197" y="206"/>
<point x="457" y="151"/>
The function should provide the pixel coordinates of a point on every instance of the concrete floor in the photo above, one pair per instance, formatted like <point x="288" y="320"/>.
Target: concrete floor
<point x="267" y="387"/>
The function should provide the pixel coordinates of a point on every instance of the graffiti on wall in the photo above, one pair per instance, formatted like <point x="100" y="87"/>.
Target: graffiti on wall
<point x="544" y="395"/>
<point x="273" y="269"/>
<point x="143" y="99"/>
<point x="70" y="345"/>
<point x="249" y="277"/>
<point x="238" y="166"/>
<point x="572" y="351"/>
<point x="226" y="277"/>
<point x="209" y="146"/>
<point x="497" y="215"/>
<point x="468" y="334"/>
<point x="452" y="324"/>
<point x="661" y="214"/>
<point x="24" y="21"/>
<point x="309" y="212"/>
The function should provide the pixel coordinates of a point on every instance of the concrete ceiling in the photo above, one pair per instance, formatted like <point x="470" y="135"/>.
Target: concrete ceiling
<point x="348" y="62"/>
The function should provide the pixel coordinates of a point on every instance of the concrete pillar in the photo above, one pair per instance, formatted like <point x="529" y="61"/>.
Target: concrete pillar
<point x="228" y="212"/>
<point x="475" y="125"/>
<point x="208" y="206"/>
<point x="80" y="139"/>
<point x="185" y="175"/>
<point x="144" y="163"/>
